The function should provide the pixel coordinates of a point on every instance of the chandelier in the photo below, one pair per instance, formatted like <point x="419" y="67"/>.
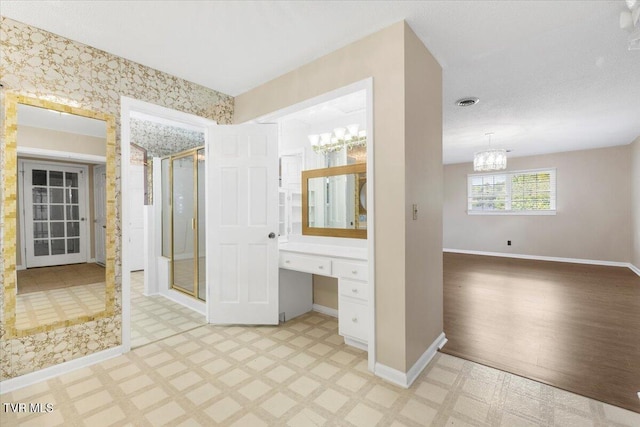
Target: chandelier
<point x="341" y="138"/>
<point x="630" y="21"/>
<point x="490" y="160"/>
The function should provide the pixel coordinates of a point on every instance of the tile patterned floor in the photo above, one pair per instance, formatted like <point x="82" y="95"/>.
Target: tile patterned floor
<point x="46" y="307"/>
<point x="298" y="374"/>
<point x="156" y="317"/>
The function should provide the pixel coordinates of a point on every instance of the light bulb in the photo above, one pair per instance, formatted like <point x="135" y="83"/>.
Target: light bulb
<point x="339" y="132"/>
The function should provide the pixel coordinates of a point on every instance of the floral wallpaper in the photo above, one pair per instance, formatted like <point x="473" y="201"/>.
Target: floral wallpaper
<point x="39" y="64"/>
<point x="162" y="140"/>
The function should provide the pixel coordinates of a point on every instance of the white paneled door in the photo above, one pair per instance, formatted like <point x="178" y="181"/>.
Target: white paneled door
<point x="242" y="224"/>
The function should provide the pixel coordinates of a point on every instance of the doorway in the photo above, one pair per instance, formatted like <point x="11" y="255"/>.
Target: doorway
<point x="54" y="213"/>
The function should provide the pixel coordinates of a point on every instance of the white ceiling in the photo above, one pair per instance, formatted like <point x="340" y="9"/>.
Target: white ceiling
<point x="550" y="75"/>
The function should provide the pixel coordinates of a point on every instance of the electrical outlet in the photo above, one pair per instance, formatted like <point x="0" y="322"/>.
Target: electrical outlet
<point x="508" y="242"/>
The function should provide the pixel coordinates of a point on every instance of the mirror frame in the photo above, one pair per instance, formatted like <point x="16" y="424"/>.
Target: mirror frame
<point x="355" y="168"/>
<point x="9" y="189"/>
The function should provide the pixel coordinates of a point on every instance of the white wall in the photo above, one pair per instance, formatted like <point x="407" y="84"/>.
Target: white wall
<point x="593" y="218"/>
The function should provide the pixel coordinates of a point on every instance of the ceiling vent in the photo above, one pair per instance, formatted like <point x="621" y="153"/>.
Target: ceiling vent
<point x="467" y="102"/>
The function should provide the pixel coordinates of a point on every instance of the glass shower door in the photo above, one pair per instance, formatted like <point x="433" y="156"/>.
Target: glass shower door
<point x="202" y="238"/>
<point x="184" y="208"/>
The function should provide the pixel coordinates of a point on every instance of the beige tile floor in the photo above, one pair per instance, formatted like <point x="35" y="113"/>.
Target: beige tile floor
<point x="298" y="374"/>
<point x="156" y="317"/>
<point x="46" y="307"/>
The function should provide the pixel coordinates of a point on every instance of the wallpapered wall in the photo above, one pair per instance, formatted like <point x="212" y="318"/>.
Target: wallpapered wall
<point x="162" y="140"/>
<point x="37" y="63"/>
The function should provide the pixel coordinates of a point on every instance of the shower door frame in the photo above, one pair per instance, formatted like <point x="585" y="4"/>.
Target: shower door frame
<point x="193" y="153"/>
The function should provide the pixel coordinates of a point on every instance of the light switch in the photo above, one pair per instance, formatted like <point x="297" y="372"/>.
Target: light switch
<point x="415" y="212"/>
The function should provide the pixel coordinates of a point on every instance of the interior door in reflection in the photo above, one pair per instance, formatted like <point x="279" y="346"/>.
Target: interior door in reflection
<point x="54" y="214"/>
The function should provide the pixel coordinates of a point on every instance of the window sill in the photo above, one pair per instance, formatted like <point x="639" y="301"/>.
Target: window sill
<point x="517" y="213"/>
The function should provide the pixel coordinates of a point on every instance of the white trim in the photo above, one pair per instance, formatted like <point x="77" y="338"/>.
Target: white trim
<point x="25" y="380"/>
<point x="634" y="269"/>
<point x="129" y="106"/>
<point x="550" y="212"/>
<point x="185" y="300"/>
<point x="406" y="379"/>
<point x="426" y="357"/>
<point x="540" y="258"/>
<point x="325" y="310"/>
<point x="362" y="345"/>
<point x="21" y="267"/>
<point x="54" y="154"/>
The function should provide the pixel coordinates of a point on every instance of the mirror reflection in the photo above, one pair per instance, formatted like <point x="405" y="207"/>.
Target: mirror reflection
<point x="61" y="217"/>
<point x="334" y="201"/>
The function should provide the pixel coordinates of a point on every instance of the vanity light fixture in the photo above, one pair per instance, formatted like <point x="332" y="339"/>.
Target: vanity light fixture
<point x="342" y="137"/>
<point x="491" y="159"/>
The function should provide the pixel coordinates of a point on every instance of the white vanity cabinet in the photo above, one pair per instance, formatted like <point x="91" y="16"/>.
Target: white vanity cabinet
<point x="353" y="302"/>
<point x="353" y="289"/>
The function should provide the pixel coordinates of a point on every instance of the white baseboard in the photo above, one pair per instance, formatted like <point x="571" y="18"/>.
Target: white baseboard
<point x="185" y="301"/>
<point x="356" y="343"/>
<point x="406" y="379"/>
<point x="25" y="380"/>
<point x="91" y="261"/>
<point x="541" y="258"/>
<point x="325" y="310"/>
<point x="634" y="269"/>
<point x="20" y="267"/>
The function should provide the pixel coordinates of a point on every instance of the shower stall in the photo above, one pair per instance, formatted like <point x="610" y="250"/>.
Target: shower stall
<point x="183" y="221"/>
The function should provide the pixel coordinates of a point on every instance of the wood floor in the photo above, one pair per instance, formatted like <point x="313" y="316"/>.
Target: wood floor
<point x="572" y="326"/>
<point x="58" y="277"/>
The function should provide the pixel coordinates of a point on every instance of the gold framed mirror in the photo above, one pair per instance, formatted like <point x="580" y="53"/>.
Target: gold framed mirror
<point x="333" y="201"/>
<point x="56" y="219"/>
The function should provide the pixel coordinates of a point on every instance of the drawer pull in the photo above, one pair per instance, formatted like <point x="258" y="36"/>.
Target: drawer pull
<point x="354" y="320"/>
<point x="354" y="271"/>
<point x="287" y="261"/>
<point x="321" y="267"/>
<point x="354" y="290"/>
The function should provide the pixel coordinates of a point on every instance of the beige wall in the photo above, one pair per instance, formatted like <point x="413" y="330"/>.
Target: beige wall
<point x="593" y="218"/>
<point x="383" y="56"/>
<point x="635" y="200"/>
<point x="48" y="139"/>
<point x="325" y="291"/>
<point x="423" y="177"/>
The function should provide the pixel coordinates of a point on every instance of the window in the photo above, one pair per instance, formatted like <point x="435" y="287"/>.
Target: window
<point x="520" y="192"/>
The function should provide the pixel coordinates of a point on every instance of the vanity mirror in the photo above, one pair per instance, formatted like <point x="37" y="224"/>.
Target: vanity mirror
<point x="58" y="215"/>
<point x="334" y="201"/>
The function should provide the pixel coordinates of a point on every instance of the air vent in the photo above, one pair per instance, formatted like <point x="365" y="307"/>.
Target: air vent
<point x="467" y="102"/>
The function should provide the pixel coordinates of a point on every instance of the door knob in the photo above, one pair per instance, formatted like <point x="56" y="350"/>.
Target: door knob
<point x="272" y="235"/>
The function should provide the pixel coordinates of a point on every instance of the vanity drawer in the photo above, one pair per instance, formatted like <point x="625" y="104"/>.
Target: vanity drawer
<point x="351" y="270"/>
<point x="353" y="319"/>
<point x="353" y="289"/>
<point x="306" y="264"/>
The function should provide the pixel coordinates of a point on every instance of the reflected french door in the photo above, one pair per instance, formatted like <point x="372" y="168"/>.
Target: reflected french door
<point x="54" y="214"/>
